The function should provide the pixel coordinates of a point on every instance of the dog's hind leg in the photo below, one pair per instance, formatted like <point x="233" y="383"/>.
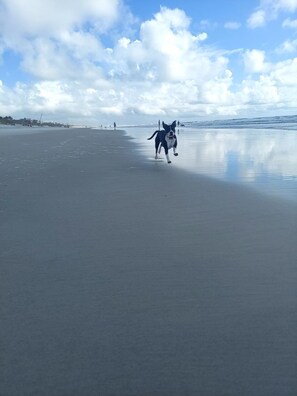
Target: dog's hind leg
<point x="157" y="144"/>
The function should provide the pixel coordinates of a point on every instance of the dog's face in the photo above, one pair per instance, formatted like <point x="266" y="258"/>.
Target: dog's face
<point x="169" y="129"/>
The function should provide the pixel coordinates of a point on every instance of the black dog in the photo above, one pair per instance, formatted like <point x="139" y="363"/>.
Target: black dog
<point x="165" y="138"/>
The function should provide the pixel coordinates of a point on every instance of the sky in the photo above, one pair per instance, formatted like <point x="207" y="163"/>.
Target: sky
<point x="94" y="62"/>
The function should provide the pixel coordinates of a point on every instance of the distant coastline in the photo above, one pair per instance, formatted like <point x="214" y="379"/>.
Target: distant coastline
<point x="29" y="122"/>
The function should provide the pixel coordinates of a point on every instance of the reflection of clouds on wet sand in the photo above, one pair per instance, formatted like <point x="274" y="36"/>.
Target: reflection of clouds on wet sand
<point x="240" y="155"/>
<point x="274" y="154"/>
<point x="283" y="159"/>
<point x="211" y="154"/>
<point x="256" y="152"/>
<point x="249" y="174"/>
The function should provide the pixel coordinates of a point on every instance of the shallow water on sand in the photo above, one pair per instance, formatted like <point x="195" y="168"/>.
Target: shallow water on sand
<point x="262" y="159"/>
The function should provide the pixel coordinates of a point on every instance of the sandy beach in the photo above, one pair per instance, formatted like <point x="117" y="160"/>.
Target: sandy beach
<point x="124" y="276"/>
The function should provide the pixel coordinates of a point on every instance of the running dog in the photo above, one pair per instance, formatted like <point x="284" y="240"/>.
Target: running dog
<point x="165" y="138"/>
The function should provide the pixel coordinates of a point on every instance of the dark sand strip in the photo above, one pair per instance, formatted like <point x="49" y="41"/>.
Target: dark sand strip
<point x="121" y="276"/>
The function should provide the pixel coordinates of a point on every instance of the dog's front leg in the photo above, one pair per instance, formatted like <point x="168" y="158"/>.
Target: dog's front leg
<point x="174" y="148"/>
<point x="166" y="152"/>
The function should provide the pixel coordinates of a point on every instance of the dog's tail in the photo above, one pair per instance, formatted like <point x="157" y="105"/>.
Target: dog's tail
<point x="153" y="135"/>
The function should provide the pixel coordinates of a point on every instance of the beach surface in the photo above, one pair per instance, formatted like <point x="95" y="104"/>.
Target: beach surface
<point x="127" y="276"/>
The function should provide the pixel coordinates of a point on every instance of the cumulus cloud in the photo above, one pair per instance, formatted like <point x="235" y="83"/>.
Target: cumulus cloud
<point x="261" y="91"/>
<point x="269" y="10"/>
<point x="254" y="61"/>
<point x="285" y="75"/>
<point x="56" y="39"/>
<point x="51" y="17"/>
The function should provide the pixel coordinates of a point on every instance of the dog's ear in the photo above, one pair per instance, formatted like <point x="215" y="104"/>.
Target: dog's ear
<point x="173" y="124"/>
<point x="166" y="127"/>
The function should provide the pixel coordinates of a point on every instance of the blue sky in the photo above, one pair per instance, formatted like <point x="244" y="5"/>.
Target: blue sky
<point x="130" y="61"/>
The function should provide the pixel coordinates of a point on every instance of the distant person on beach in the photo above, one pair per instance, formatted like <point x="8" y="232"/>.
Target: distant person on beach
<point x="114" y="126"/>
<point x="159" y="125"/>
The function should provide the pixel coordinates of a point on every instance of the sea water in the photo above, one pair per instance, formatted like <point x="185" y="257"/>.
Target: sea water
<point x="260" y="153"/>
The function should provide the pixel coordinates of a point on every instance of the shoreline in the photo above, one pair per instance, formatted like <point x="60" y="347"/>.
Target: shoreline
<point x="123" y="276"/>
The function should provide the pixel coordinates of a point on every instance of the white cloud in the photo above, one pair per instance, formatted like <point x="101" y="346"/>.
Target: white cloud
<point x="201" y="37"/>
<point x="51" y="36"/>
<point x="269" y="10"/>
<point x="82" y="45"/>
<point x="286" y="5"/>
<point x="218" y="92"/>
<point x="174" y="18"/>
<point x="285" y="74"/>
<point x="54" y="16"/>
<point x="261" y="91"/>
<point x="257" y="19"/>
<point x="254" y="61"/>
<point x="232" y="25"/>
<point x="167" y="51"/>
<point x="206" y="24"/>
<point x="288" y="46"/>
<point x="290" y="23"/>
<point x="51" y="59"/>
<point x="275" y="89"/>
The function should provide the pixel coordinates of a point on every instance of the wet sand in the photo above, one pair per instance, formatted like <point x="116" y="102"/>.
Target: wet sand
<point x="126" y="276"/>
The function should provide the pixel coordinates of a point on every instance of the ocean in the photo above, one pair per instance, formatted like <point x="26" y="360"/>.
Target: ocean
<point x="260" y="153"/>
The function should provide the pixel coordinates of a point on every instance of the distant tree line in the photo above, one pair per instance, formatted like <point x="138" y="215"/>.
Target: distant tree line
<point x="8" y="120"/>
